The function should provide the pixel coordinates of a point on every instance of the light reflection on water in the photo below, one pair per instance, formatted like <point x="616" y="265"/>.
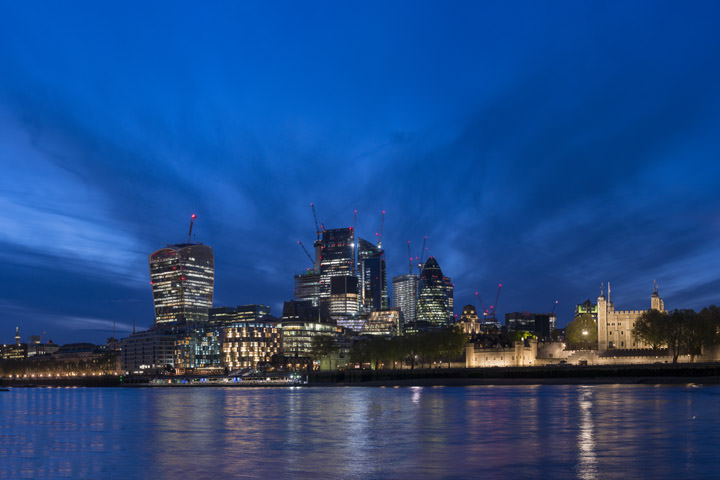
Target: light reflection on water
<point x="585" y="432"/>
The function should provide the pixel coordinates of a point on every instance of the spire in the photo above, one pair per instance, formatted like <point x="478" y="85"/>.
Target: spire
<point x="17" y="335"/>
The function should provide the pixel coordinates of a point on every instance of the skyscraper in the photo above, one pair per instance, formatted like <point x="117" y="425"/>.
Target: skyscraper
<point x="307" y="287"/>
<point x="449" y="291"/>
<point x="372" y="277"/>
<point x="432" y="302"/>
<point x="337" y="256"/>
<point x="182" y="278"/>
<point x="404" y="295"/>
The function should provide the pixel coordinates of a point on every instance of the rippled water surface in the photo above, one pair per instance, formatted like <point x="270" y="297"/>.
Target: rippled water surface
<point x="587" y="432"/>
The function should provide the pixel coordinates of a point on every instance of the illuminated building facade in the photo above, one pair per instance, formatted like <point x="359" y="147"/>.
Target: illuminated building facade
<point x="200" y="349"/>
<point x="469" y="321"/>
<point x="615" y="326"/>
<point x="372" y="277"/>
<point x="15" y="351"/>
<point x="297" y="336"/>
<point x="182" y="278"/>
<point x="249" y="344"/>
<point x="307" y="287"/>
<point x="404" y="296"/>
<point x="344" y="301"/>
<point x="449" y="291"/>
<point x="383" y="322"/>
<point x="432" y="302"/>
<point x="148" y="351"/>
<point x="337" y="258"/>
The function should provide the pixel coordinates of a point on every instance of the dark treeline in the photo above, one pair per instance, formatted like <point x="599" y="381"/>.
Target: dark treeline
<point x="420" y="349"/>
<point x="681" y="331"/>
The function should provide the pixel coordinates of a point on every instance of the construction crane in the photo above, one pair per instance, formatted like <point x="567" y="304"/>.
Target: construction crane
<point x="421" y="262"/>
<point x="411" y="257"/>
<point x="493" y="308"/>
<point x="192" y="220"/>
<point x="485" y="310"/>
<point x="312" y="262"/>
<point x="318" y="227"/>
<point x="354" y="242"/>
<point x="379" y="235"/>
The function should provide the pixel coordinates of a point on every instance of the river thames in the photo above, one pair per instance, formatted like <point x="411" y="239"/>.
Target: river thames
<point x="545" y="431"/>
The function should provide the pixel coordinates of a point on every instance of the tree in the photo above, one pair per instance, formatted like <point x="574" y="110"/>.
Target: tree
<point x="452" y="342"/>
<point x="582" y="332"/>
<point x="651" y="328"/>
<point x="322" y="346"/>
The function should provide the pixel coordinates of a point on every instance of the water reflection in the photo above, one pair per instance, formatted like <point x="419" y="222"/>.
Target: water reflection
<point x="587" y="460"/>
<point x="491" y="431"/>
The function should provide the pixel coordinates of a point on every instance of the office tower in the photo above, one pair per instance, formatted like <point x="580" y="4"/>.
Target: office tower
<point x="224" y="316"/>
<point x="432" y="302"/>
<point x="541" y="324"/>
<point x="404" y="296"/>
<point x="182" y="279"/>
<point x="337" y="258"/>
<point x="344" y="302"/>
<point x="307" y="287"/>
<point x="449" y="291"/>
<point x="249" y="344"/>
<point x="372" y="277"/>
<point x="383" y="322"/>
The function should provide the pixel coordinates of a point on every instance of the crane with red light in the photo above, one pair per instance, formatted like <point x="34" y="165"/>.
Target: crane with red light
<point x="421" y="258"/>
<point x="192" y="220"/>
<point x="379" y="234"/>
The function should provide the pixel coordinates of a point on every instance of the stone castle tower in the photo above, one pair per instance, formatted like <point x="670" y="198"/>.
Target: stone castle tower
<point x="615" y="326"/>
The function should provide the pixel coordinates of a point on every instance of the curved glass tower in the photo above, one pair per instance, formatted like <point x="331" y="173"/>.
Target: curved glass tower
<point x="182" y="278"/>
<point x="432" y="302"/>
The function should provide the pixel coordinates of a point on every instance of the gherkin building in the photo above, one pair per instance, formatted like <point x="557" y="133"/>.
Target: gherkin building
<point x="432" y="303"/>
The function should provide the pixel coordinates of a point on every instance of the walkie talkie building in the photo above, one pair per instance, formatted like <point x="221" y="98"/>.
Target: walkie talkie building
<point x="182" y="278"/>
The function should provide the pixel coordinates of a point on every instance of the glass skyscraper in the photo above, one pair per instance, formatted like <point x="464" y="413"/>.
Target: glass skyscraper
<point x="432" y="303"/>
<point x="404" y="296"/>
<point x="182" y="278"/>
<point x="372" y="277"/>
<point x="337" y="256"/>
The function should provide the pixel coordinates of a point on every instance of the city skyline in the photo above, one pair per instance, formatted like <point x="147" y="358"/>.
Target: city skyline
<point x="544" y="147"/>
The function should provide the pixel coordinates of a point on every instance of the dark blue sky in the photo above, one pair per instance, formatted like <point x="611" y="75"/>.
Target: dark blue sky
<point x="545" y="145"/>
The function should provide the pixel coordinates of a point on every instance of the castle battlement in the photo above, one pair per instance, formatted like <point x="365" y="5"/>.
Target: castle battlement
<point x="615" y="326"/>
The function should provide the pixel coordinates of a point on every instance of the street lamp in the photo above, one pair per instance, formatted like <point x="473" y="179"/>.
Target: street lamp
<point x="585" y="334"/>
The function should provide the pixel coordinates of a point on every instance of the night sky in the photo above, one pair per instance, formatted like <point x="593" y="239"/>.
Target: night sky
<point x="549" y="146"/>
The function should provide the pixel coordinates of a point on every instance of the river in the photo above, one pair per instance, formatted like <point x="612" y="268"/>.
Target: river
<point x="544" y="431"/>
